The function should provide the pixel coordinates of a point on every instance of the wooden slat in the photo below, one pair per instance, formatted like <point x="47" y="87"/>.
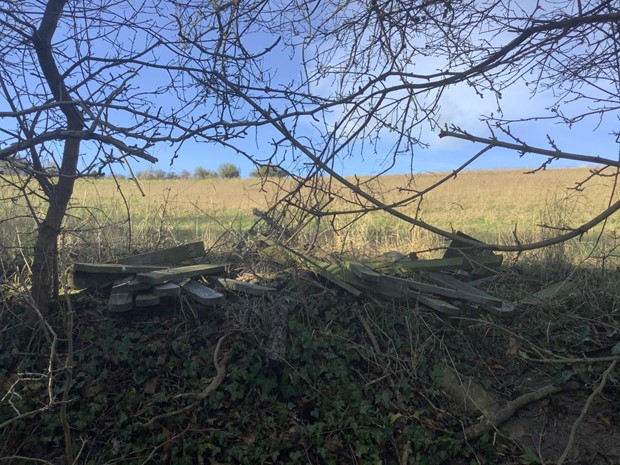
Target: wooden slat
<point x="179" y="273"/>
<point x="147" y="300"/>
<point x="247" y="288"/>
<point x="170" y="256"/>
<point x="454" y="283"/>
<point x="167" y="290"/>
<point x="439" y="305"/>
<point x="91" y="280"/>
<point x="201" y="293"/>
<point x="492" y="305"/>
<point x="443" y="291"/>
<point x="111" y="268"/>
<point x="456" y="263"/>
<point x="120" y="302"/>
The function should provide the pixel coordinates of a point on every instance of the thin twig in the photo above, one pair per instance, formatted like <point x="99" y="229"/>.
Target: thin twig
<point x="584" y="411"/>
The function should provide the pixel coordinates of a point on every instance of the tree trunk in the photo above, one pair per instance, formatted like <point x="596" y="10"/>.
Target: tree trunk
<point x="45" y="258"/>
<point x="45" y="249"/>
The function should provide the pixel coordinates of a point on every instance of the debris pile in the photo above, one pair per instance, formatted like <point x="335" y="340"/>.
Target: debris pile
<point x="144" y="280"/>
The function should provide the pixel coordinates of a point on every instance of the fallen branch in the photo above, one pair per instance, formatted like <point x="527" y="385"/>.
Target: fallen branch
<point x="505" y="413"/>
<point x="586" y="407"/>
<point x="220" y="368"/>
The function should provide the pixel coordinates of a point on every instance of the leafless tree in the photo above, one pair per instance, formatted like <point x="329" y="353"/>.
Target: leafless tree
<point x="86" y="85"/>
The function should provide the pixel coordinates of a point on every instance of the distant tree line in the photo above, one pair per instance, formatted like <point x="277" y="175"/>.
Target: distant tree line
<point x="225" y="171"/>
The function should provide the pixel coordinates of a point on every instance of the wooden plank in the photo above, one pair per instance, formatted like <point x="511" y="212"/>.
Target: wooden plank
<point x="147" y="300"/>
<point x="111" y="268"/>
<point x="439" y="305"/>
<point x="179" y="273"/>
<point x="362" y="271"/>
<point x="135" y="285"/>
<point x="169" y="256"/>
<point x="201" y="293"/>
<point x="247" y="288"/>
<point x="91" y="280"/>
<point x="120" y="302"/>
<point x="545" y="294"/>
<point x="167" y="290"/>
<point x="499" y="307"/>
<point x="444" y="291"/>
<point x="453" y="283"/>
<point x="458" y="248"/>
<point x="437" y="264"/>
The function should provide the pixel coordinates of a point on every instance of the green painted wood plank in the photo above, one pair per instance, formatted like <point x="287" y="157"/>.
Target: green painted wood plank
<point x="112" y="268"/>
<point x="179" y="273"/>
<point x="246" y="288"/>
<point x="437" y="264"/>
<point x="438" y="305"/>
<point x="201" y="293"/>
<point x="147" y="300"/>
<point x="166" y="290"/>
<point x="167" y="257"/>
<point x="120" y="302"/>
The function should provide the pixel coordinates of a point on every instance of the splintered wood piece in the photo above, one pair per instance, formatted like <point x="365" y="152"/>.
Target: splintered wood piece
<point x="113" y="268"/>
<point x="201" y="293"/>
<point x="166" y="290"/>
<point x="170" y="256"/>
<point x="179" y="273"/>
<point x="120" y="302"/>
<point x="147" y="300"/>
<point x="247" y="288"/>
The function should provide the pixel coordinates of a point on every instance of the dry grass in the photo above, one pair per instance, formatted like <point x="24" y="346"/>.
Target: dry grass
<point x="490" y="205"/>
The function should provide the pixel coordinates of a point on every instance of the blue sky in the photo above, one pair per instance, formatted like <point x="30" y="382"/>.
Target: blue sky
<point x="459" y="107"/>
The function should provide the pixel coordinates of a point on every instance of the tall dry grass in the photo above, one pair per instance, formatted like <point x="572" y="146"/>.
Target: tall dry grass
<point x="106" y="219"/>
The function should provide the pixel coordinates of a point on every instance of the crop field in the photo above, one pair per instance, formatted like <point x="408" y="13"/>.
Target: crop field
<point x="106" y="217"/>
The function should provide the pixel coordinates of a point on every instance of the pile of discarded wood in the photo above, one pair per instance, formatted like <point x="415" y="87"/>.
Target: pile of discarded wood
<point x="436" y="284"/>
<point x="144" y="280"/>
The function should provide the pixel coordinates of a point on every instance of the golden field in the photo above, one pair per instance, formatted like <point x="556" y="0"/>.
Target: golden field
<point x="490" y="205"/>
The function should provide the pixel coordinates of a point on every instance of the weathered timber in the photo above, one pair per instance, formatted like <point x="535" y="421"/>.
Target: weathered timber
<point x="443" y="291"/>
<point x="333" y="273"/>
<point x="437" y="264"/>
<point x="246" y="288"/>
<point x="458" y="248"/>
<point x="80" y="280"/>
<point x="438" y="305"/>
<point x="179" y="273"/>
<point x="170" y="256"/>
<point x="201" y="293"/>
<point x="120" y="302"/>
<point x="491" y="304"/>
<point x="362" y="271"/>
<point x="545" y="294"/>
<point x="167" y="290"/>
<point x="147" y="300"/>
<point x="112" y="268"/>
<point x="135" y="285"/>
